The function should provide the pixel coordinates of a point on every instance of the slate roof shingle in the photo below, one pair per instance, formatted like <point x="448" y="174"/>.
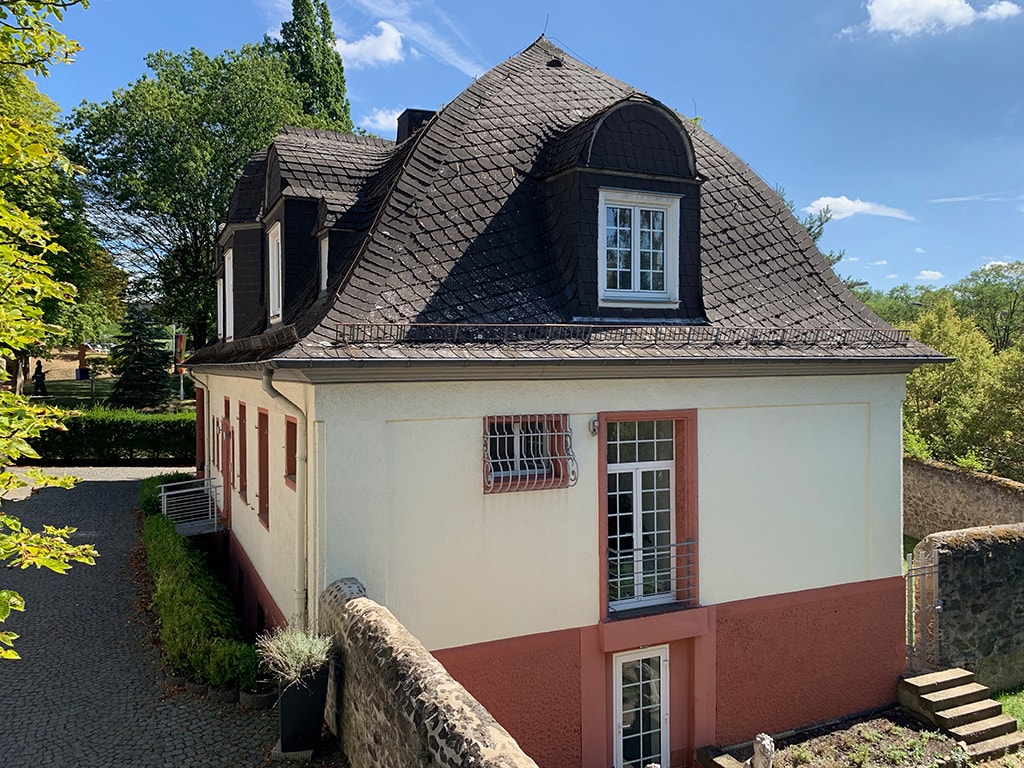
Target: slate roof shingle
<point x="455" y="232"/>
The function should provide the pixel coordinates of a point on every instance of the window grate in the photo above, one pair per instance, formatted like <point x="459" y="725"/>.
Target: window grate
<point x="528" y="452"/>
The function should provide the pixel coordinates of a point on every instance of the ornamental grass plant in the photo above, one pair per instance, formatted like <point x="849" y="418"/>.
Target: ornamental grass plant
<point x="291" y="654"/>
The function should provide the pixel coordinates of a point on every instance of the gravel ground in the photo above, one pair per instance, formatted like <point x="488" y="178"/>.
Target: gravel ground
<point x="89" y="691"/>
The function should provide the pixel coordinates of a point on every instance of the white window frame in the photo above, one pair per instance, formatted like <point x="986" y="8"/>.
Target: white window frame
<point x="660" y="652"/>
<point x="220" y="308"/>
<point x="324" y="250"/>
<point x="274" y="291"/>
<point x="229" y="295"/>
<point x="615" y="297"/>
<point x="640" y="555"/>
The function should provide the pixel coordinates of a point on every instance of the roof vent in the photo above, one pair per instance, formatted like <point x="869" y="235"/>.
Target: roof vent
<point x="410" y="121"/>
<point x="555" y="62"/>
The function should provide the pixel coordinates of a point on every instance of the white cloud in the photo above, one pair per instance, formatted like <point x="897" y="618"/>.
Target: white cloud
<point x="433" y="32"/>
<point x="929" y="274"/>
<point x="982" y="197"/>
<point x="881" y="263"/>
<point x="843" y="207"/>
<point x="381" y="120"/>
<point x="892" y="277"/>
<point x="996" y="264"/>
<point x="911" y="17"/>
<point x="1003" y="9"/>
<point x="851" y="258"/>
<point x="384" y="47"/>
<point x="920" y="250"/>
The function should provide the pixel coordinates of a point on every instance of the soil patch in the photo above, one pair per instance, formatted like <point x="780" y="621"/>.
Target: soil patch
<point x="889" y="739"/>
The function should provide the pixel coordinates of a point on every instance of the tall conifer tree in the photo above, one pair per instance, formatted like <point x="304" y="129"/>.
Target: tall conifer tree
<point x="308" y="43"/>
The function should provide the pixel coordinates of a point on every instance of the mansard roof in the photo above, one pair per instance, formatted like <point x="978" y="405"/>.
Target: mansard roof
<point x="456" y="235"/>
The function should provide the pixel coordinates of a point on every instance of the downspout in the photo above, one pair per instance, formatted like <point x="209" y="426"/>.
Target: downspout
<point x="299" y="617"/>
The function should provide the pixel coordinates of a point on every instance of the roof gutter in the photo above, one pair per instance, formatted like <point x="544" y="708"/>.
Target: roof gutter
<point x="300" y="615"/>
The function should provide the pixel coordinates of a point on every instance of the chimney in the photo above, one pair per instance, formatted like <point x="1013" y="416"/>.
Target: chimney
<point x="410" y="121"/>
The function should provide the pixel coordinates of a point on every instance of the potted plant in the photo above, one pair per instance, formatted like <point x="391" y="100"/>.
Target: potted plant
<point x="298" y="659"/>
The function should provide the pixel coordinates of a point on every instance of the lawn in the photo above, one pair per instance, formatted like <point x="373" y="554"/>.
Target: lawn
<point x="69" y="393"/>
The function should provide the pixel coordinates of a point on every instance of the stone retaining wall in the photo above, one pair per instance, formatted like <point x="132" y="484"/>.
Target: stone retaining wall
<point x="981" y="588"/>
<point x="941" y="497"/>
<point x="392" y="704"/>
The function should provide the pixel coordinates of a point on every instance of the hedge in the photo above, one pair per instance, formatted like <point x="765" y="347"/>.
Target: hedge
<point x="199" y="631"/>
<point x="110" y="437"/>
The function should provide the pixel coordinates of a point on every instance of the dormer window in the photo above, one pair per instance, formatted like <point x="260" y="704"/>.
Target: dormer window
<point x="638" y="249"/>
<point x="323" y="262"/>
<point x="275" y="267"/>
<point x="229" y="295"/>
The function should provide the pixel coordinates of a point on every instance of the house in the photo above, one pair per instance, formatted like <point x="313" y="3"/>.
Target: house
<point x="565" y="385"/>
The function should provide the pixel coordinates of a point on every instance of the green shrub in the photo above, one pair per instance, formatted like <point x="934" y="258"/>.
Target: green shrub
<point x="198" y="627"/>
<point x="108" y="436"/>
<point x="232" y="664"/>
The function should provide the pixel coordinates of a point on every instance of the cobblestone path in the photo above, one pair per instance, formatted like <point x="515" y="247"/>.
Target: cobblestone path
<point x="88" y="691"/>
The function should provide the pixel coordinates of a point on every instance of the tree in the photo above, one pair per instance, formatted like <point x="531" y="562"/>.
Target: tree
<point x="309" y="47"/>
<point x="141" y="361"/>
<point x="163" y="155"/>
<point x="814" y="223"/>
<point x="945" y="402"/>
<point x="994" y="297"/>
<point x="1001" y="433"/>
<point x="901" y="305"/>
<point x="28" y="41"/>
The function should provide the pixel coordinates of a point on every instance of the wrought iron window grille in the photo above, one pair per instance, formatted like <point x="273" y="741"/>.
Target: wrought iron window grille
<point x="528" y="452"/>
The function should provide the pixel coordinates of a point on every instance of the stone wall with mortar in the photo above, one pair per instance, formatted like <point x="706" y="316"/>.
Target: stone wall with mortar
<point x="392" y="704"/>
<point x="981" y="588"/>
<point x="941" y="497"/>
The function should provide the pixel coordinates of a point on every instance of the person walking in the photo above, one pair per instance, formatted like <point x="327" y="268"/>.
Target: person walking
<point x="39" y="379"/>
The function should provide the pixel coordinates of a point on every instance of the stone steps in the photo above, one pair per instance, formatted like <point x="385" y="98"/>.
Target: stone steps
<point x="953" y="702"/>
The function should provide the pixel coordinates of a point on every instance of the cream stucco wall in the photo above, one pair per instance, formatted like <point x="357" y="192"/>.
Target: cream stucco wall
<point x="272" y="550"/>
<point x="799" y="487"/>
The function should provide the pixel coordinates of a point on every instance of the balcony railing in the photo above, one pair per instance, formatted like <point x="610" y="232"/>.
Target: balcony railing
<point x="652" y="575"/>
<point x="191" y="505"/>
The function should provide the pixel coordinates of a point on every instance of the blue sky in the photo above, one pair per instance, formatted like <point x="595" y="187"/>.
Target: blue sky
<point x="906" y="116"/>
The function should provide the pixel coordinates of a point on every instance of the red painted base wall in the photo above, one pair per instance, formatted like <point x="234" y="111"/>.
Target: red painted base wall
<point x="805" y="657"/>
<point x="532" y="687"/>
<point x="766" y="664"/>
<point x="258" y="609"/>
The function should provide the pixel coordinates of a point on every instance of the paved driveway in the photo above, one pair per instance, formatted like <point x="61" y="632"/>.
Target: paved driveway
<point x="89" y="691"/>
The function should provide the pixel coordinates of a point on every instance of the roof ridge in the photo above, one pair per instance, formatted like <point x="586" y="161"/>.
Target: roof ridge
<point x="329" y="135"/>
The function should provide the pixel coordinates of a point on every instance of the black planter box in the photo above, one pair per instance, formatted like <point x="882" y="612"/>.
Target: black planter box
<point x="301" y="707"/>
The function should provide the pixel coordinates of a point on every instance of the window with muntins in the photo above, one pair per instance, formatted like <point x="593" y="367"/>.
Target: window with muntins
<point x="649" y="477"/>
<point x="641" y="707"/>
<point x="638" y="249"/>
<point x="528" y="452"/>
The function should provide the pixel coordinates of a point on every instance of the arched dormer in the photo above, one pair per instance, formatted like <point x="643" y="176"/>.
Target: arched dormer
<point x="630" y="173"/>
<point x="643" y="137"/>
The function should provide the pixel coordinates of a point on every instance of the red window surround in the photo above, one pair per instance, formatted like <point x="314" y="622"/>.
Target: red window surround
<point x="291" y="430"/>
<point x="243" y="468"/>
<point x="685" y="518"/>
<point x="263" y="466"/>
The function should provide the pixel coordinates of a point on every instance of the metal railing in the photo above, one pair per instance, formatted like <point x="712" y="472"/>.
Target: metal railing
<point x="924" y="609"/>
<point x="652" y="576"/>
<point x="622" y="335"/>
<point x="191" y="505"/>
